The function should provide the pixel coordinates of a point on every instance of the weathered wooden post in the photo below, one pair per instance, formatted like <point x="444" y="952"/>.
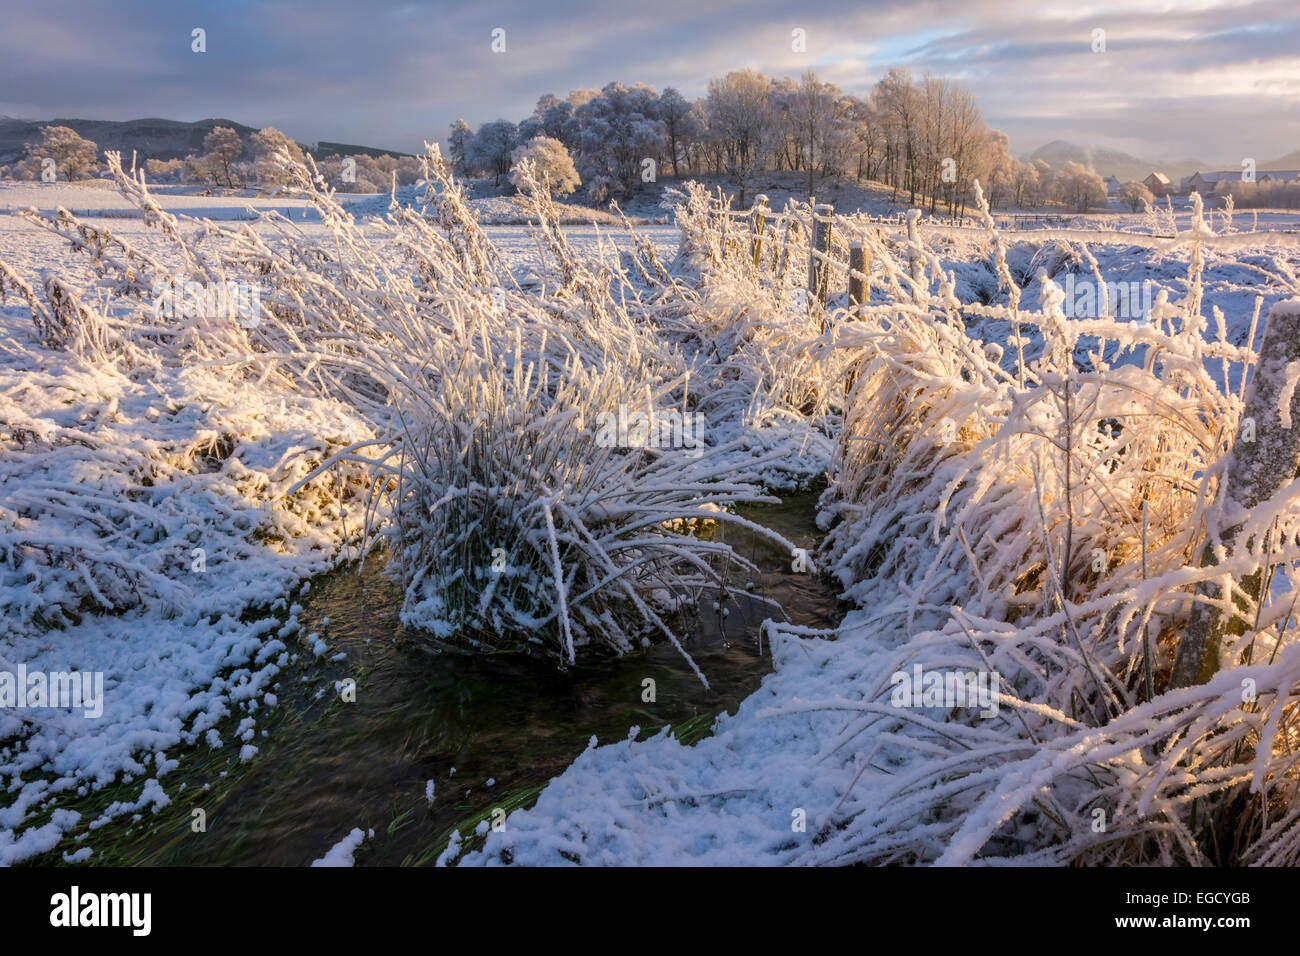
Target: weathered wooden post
<point x="725" y="212"/>
<point x="1263" y="460"/>
<point x="757" y="222"/>
<point x="857" y="275"/>
<point x="858" y="271"/>
<point x="818" y="263"/>
<point x="913" y="261"/>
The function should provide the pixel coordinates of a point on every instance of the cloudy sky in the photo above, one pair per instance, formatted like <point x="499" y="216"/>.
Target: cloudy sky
<point x="1210" y="80"/>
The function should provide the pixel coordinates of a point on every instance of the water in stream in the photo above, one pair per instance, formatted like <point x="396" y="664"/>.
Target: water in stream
<point x="326" y="766"/>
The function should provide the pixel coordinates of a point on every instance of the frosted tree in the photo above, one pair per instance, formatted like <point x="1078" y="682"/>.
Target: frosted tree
<point x="1044" y="177"/>
<point x="1030" y="182"/>
<point x="163" y="169"/>
<point x="268" y="145"/>
<point x="897" y="103"/>
<point x="812" y="109"/>
<point x="556" y="119"/>
<point x="581" y="97"/>
<point x="1080" y="187"/>
<point x="73" y="156"/>
<point x="996" y="167"/>
<point x="197" y="169"/>
<point x="222" y="148"/>
<point x="535" y="125"/>
<point x="782" y="146"/>
<point x="1136" y="195"/>
<point x="977" y="151"/>
<point x="457" y="142"/>
<point x="617" y="131"/>
<point x="545" y="103"/>
<point x="681" y="125"/>
<point x="864" y="143"/>
<point x="737" y="108"/>
<point x="490" y="149"/>
<point x="552" y="166"/>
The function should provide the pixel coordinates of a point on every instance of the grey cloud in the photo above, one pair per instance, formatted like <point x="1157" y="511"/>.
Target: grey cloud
<point x="396" y="73"/>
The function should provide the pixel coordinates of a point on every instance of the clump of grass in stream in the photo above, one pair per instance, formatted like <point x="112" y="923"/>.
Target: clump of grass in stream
<point x="514" y="517"/>
<point x="513" y="509"/>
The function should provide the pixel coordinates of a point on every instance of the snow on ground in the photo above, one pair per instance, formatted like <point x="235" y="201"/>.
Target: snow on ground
<point x="101" y="199"/>
<point x="342" y="853"/>
<point x="187" y="468"/>
<point x="752" y="793"/>
<point x="491" y="210"/>
<point x="179" y="454"/>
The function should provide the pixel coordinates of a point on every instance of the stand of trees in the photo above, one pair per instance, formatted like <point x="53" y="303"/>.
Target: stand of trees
<point x="1257" y="195"/>
<point x="924" y="138"/>
<point x="226" y="160"/>
<point x="73" y="157"/>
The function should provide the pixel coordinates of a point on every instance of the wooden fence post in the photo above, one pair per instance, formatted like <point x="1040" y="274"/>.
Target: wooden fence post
<point x="913" y="262"/>
<point x="857" y="275"/>
<point x="757" y="221"/>
<point x="791" y="232"/>
<point x="858" y="271"/>
<point x="1258" y="467"/>
<point x="818" y="248"/>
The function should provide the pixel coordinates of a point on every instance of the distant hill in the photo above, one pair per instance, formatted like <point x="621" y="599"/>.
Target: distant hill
<point x="1113" y="162"/>
<point x="324" y="148"/>
<point x="1289" y="161"/>
<point x="150" y="138"/>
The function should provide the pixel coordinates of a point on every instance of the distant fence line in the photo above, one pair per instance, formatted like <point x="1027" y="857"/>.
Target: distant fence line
<point x="838" y="247"/>
<point x="1006" y="221"/>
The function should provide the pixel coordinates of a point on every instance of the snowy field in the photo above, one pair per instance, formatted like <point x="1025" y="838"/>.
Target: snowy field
<point x="33" y="249"/>
<point x="171" y="482"/>
<point x="102" y="200"/>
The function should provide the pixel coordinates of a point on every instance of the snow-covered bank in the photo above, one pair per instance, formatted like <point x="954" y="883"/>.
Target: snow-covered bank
<point x="142" y="516"/>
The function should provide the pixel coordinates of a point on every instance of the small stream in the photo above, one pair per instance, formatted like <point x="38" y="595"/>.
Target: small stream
<point x="424" y="712"/>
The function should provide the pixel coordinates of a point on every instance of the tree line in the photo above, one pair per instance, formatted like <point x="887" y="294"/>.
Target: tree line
<point x="225" y="160"/>
<point x="922" y="137"/>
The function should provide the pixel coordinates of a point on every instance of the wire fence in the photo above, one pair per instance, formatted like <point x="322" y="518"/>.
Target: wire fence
<point x="838" y="250"/>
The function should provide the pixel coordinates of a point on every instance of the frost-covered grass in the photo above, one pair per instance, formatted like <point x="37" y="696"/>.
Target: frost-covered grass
<point x="482" y="399"/>
<point x="1040" y="512"/>
<point x="1033" y="505"/>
